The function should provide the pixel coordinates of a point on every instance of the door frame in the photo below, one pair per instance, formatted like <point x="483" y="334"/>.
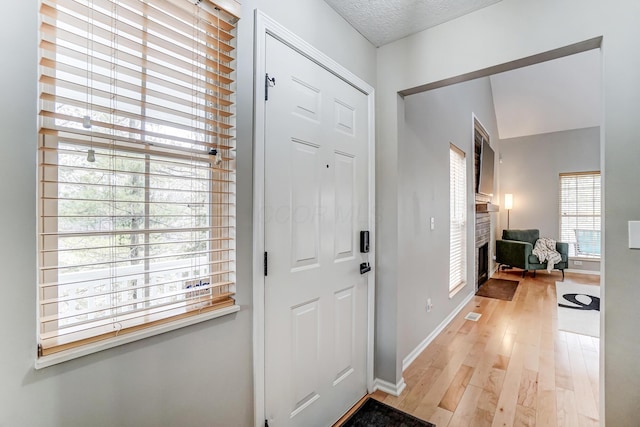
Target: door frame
<point x="264" y="26"/>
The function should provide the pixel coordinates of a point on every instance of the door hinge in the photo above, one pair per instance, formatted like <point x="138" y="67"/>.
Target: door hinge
<point x="268" y="82"/>
<point x="39" y="350"/>
<point x="266" y="267"/>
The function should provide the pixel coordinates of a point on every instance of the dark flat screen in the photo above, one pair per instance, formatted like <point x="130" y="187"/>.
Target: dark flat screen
<point x="487" y="159"/>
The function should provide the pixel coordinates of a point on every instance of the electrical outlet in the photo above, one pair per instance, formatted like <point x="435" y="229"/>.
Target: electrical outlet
<point x="577" y="262"/>
<point x="432" y="223"/>
<point x="429" y="305"/>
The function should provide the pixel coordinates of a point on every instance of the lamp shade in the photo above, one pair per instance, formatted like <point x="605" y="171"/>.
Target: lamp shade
<point x="508" y="201"/>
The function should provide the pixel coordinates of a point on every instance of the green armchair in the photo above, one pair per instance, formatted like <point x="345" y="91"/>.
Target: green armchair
<point x="515" y="250"/>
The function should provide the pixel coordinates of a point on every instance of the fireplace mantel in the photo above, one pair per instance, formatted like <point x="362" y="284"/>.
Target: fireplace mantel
<point x="487" y="207"/>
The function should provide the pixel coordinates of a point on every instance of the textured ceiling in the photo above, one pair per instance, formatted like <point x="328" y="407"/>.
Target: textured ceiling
<point x="384" y="21"/>
<point x="552" y="96"/>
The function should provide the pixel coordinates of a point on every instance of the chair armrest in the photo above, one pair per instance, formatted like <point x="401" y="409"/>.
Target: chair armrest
<point x="513" y="252"/>
<point x="563" y="249"/>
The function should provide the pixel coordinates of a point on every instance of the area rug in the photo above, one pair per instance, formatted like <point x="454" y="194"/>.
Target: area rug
<point x="578" y="308"/>
<point x="373" y="413"/>
<point x="499" y="289"/>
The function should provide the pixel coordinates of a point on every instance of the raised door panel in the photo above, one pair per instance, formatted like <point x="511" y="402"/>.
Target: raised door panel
<point x="344" y="118"/>
<point x="345" y="172"/>
<point x="344" y="333"/>
<point x="305" y="205"/>
<point x="307" y="100"/>
<point x="305" y="327"/>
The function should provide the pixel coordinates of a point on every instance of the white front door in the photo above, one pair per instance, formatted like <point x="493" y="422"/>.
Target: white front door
<point x="316" y="203"/>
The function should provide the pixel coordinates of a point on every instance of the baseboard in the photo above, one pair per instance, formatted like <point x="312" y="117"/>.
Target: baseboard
<point x="573" y="270"/>
<point x="389" y="388"/>
<point x="407" y="361"/>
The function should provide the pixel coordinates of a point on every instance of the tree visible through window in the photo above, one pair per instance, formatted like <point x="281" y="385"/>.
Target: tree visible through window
<point x="137" y="168"/>
<point x="580" y="210"/>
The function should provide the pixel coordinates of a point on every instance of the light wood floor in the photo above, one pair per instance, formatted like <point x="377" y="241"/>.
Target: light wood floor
<point x="511" y="368"/>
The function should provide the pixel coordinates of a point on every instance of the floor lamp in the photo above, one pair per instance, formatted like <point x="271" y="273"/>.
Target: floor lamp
<point x="508" y="205"/>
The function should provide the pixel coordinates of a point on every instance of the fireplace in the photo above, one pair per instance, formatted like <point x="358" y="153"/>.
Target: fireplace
<point x="483" y="264"/>
<point x="485" y="217"/>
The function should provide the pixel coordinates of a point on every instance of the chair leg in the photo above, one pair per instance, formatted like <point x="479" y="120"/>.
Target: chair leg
<point x="524" y="272"/>
<point x="534" y="273"/>
<point x="562" y="274"/>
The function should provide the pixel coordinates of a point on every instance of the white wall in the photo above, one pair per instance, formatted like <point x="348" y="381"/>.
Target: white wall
<point x="432" y="120"/>
<point x="549" y="96"/>
<point x="507" y="31"/>
<point x="318" y="24"/>
<point x="197" y="376"/>
<point x="530" y="169"/>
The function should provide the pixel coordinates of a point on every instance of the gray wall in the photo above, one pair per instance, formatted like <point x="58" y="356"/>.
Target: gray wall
<point x="388" y="366"/>
<point x="530" y="169"/>
<point x="197" y="376"/>
<point x="514" y="29"/>
<point x="621" y="152"/>
<point x="433" y="120"/>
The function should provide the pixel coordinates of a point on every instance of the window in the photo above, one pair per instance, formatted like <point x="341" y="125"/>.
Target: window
<point x="580" y="213"/>
<point x="136" y="167"/>
<point x="458" y="218"/>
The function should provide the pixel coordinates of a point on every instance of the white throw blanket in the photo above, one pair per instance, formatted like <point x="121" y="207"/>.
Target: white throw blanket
<point x="545" y="250"/>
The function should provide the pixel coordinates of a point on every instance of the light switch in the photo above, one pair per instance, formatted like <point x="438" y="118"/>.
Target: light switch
<point x="634" y="234"/>
<point x="433" y="223"/>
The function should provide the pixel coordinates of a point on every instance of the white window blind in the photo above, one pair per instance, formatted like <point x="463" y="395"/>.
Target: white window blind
<point x="458" y="218"/>
<point x="136" y="166"/>
<point x="580" y="207"/>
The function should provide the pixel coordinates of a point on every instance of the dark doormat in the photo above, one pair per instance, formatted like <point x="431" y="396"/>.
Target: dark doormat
<point x="499" y="289"/>
<point x="373" y="413"/>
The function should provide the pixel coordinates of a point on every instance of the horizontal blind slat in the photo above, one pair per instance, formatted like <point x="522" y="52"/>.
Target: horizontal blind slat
<point x="194" y="163"/>
<point x="146" y="42"/>
<point x="132" y="187"/>
<point x="137" y="210"/>
<point x="174" y="92"/>
<point x="184" y="71"/>
<point x="186" y="11"/>
<point x="130" y="144"/>
<point x="140" y="301"/>
<point x="114" y="263"/>
<point x="65" y="117"/>
<point x="137" y="105"/>
<point x="125" y="172"/>
<point x="197" y="159"/>
<point x="144" y="288"/>
<point x="178" y="31"/>
<point x="99" y="101"/>
<point x="163" y="12"/>
<point x="119" y="232"/>
<point x="124" y="276"/>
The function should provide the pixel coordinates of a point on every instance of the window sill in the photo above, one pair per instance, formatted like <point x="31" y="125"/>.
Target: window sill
<point x="64" y="356"/>
<point x="457" y="289"/>
<point x="585" y="258"/>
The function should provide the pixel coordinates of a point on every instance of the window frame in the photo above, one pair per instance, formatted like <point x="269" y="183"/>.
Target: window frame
<point x="146" y="328"/>
<point x="458" y="217"/>
<point x="563" y="233"/>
